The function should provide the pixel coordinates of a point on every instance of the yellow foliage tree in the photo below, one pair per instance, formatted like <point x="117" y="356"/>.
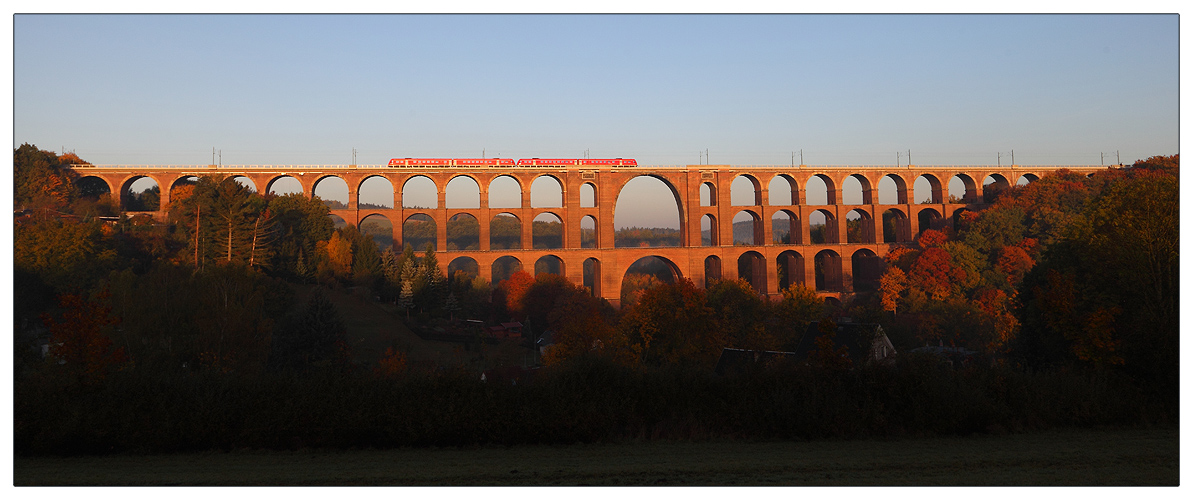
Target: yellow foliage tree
<point x="339" y="252"/>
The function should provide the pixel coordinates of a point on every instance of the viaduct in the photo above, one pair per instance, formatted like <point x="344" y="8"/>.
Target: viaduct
<point x="836" y="261"/>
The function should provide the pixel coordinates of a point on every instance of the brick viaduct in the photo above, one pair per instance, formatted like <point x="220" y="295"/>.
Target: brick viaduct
<point x="847" y="263"/>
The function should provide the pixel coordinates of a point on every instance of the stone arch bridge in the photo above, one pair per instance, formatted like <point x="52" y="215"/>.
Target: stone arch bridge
<point x="835" y="260"/>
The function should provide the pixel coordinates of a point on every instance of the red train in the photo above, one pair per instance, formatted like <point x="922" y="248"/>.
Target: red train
<point x="560" y="162"/>
<point x="508" y="162"/>
<point x="451" y="162"/>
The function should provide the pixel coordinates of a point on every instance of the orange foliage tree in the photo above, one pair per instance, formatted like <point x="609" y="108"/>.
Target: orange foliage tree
<point x="515" y="288"/>
<point x="933" y="272"/>
<point x="1014" y="262"/>
<point x="891" y="287"/>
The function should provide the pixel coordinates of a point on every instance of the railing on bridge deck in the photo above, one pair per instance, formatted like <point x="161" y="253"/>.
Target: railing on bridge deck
<point x="639" y="167"/>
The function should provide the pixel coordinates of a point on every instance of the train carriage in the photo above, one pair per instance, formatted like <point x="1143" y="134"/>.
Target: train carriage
<point x="509" y="162"/>
<point x="568" y="162"/>
<point x="451" y="162"/>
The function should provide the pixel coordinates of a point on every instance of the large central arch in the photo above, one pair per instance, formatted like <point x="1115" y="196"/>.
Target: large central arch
<point x="679" y="207"/>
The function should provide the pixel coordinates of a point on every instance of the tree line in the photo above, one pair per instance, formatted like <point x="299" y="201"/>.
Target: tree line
<point x="1070" y="276"/>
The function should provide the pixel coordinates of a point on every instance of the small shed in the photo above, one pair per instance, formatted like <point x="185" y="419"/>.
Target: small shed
<point x="513" y="330"/>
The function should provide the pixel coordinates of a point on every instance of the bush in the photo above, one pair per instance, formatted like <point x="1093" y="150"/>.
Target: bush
<point x="584" y="399"/>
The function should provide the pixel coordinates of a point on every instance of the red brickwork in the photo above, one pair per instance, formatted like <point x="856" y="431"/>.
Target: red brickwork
<point x="684" y="182"/>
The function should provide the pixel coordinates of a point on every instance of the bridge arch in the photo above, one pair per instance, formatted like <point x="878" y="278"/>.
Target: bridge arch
<point x="861" y="226"/>
<point x="958" y="215"/>
<point x="418" y="230"/>
<point x="745" y="191"/>
<point x="333" y="190"/>
<point x="790" y="266"/>
<point x="785" y="228"/>
<point x="380" y="228"/>
<point x="826" y="231"/>
<point x="929" y="218"/>
<point x="855" y="190"/>
<point x="965" y="190"/>
<point x="282" y="185"/>
<point x="549" y="264"/>
<point x="708" y="194"/>
<point x="462" y="191"/>
<point x="1027" y="179"/>
<point x="712" y="270"/>
<point x="463" y="232"/>
<point x="375" y="191"/>
<point x="783" y="191"/>
<point x="994" y="185"/>
<point x="547" y="191"/>
<point x="93" y="186"/>
<point x="896" y="227"/>
<point x="503" y="267"/>
<point x="141" y="193"/>
<point x="547" y="230"/>
<point x="828" y="271"/>
<point x="505" y="191"/>
<point x="505" y="232"/>
<point x="755" y="236"/>
<point x="588" y="195"/>
<point x="927" y="190"/>
<point x="420" y="192"/>
<point x="751" y="266"/>
<point x="590" y="236"/>
<point x="892" y="190"/>
<point x="244" y="181"/>
<point x="820" y="189"/>
<point x="660" y="268"/>
<point x="867" y="268"/>
<point x="710" y="234"/>
<point x="622" y="202"/>
<point x="183" y="180"/>
<point x="464" y="264"/>
<point x="592" y="276"/>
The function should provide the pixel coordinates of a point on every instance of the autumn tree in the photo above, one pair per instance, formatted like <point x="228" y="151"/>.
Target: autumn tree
<point x="890" y="289"/>
<point x="1107" y="291"/>
<point x="584" y="326"/>
<point x="672" y="324"/>
<point x="515" y="288"/>
<point x="67" y="255"/>
<point x="933" y="273"/>
<point x="41" y="180"/>
<point x="741" y="315"/>
<point x="339" y="254"/>
<point x="81" y="339"/>
<point x="798" y="308"/>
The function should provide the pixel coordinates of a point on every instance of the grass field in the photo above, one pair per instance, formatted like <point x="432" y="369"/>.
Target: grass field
<point x="1065" y="457"/>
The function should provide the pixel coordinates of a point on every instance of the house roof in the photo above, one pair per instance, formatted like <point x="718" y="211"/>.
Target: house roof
<point x="732" y="360"/>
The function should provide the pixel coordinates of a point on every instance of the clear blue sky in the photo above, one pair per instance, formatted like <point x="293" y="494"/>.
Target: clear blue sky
<point x="302" y="89"/>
